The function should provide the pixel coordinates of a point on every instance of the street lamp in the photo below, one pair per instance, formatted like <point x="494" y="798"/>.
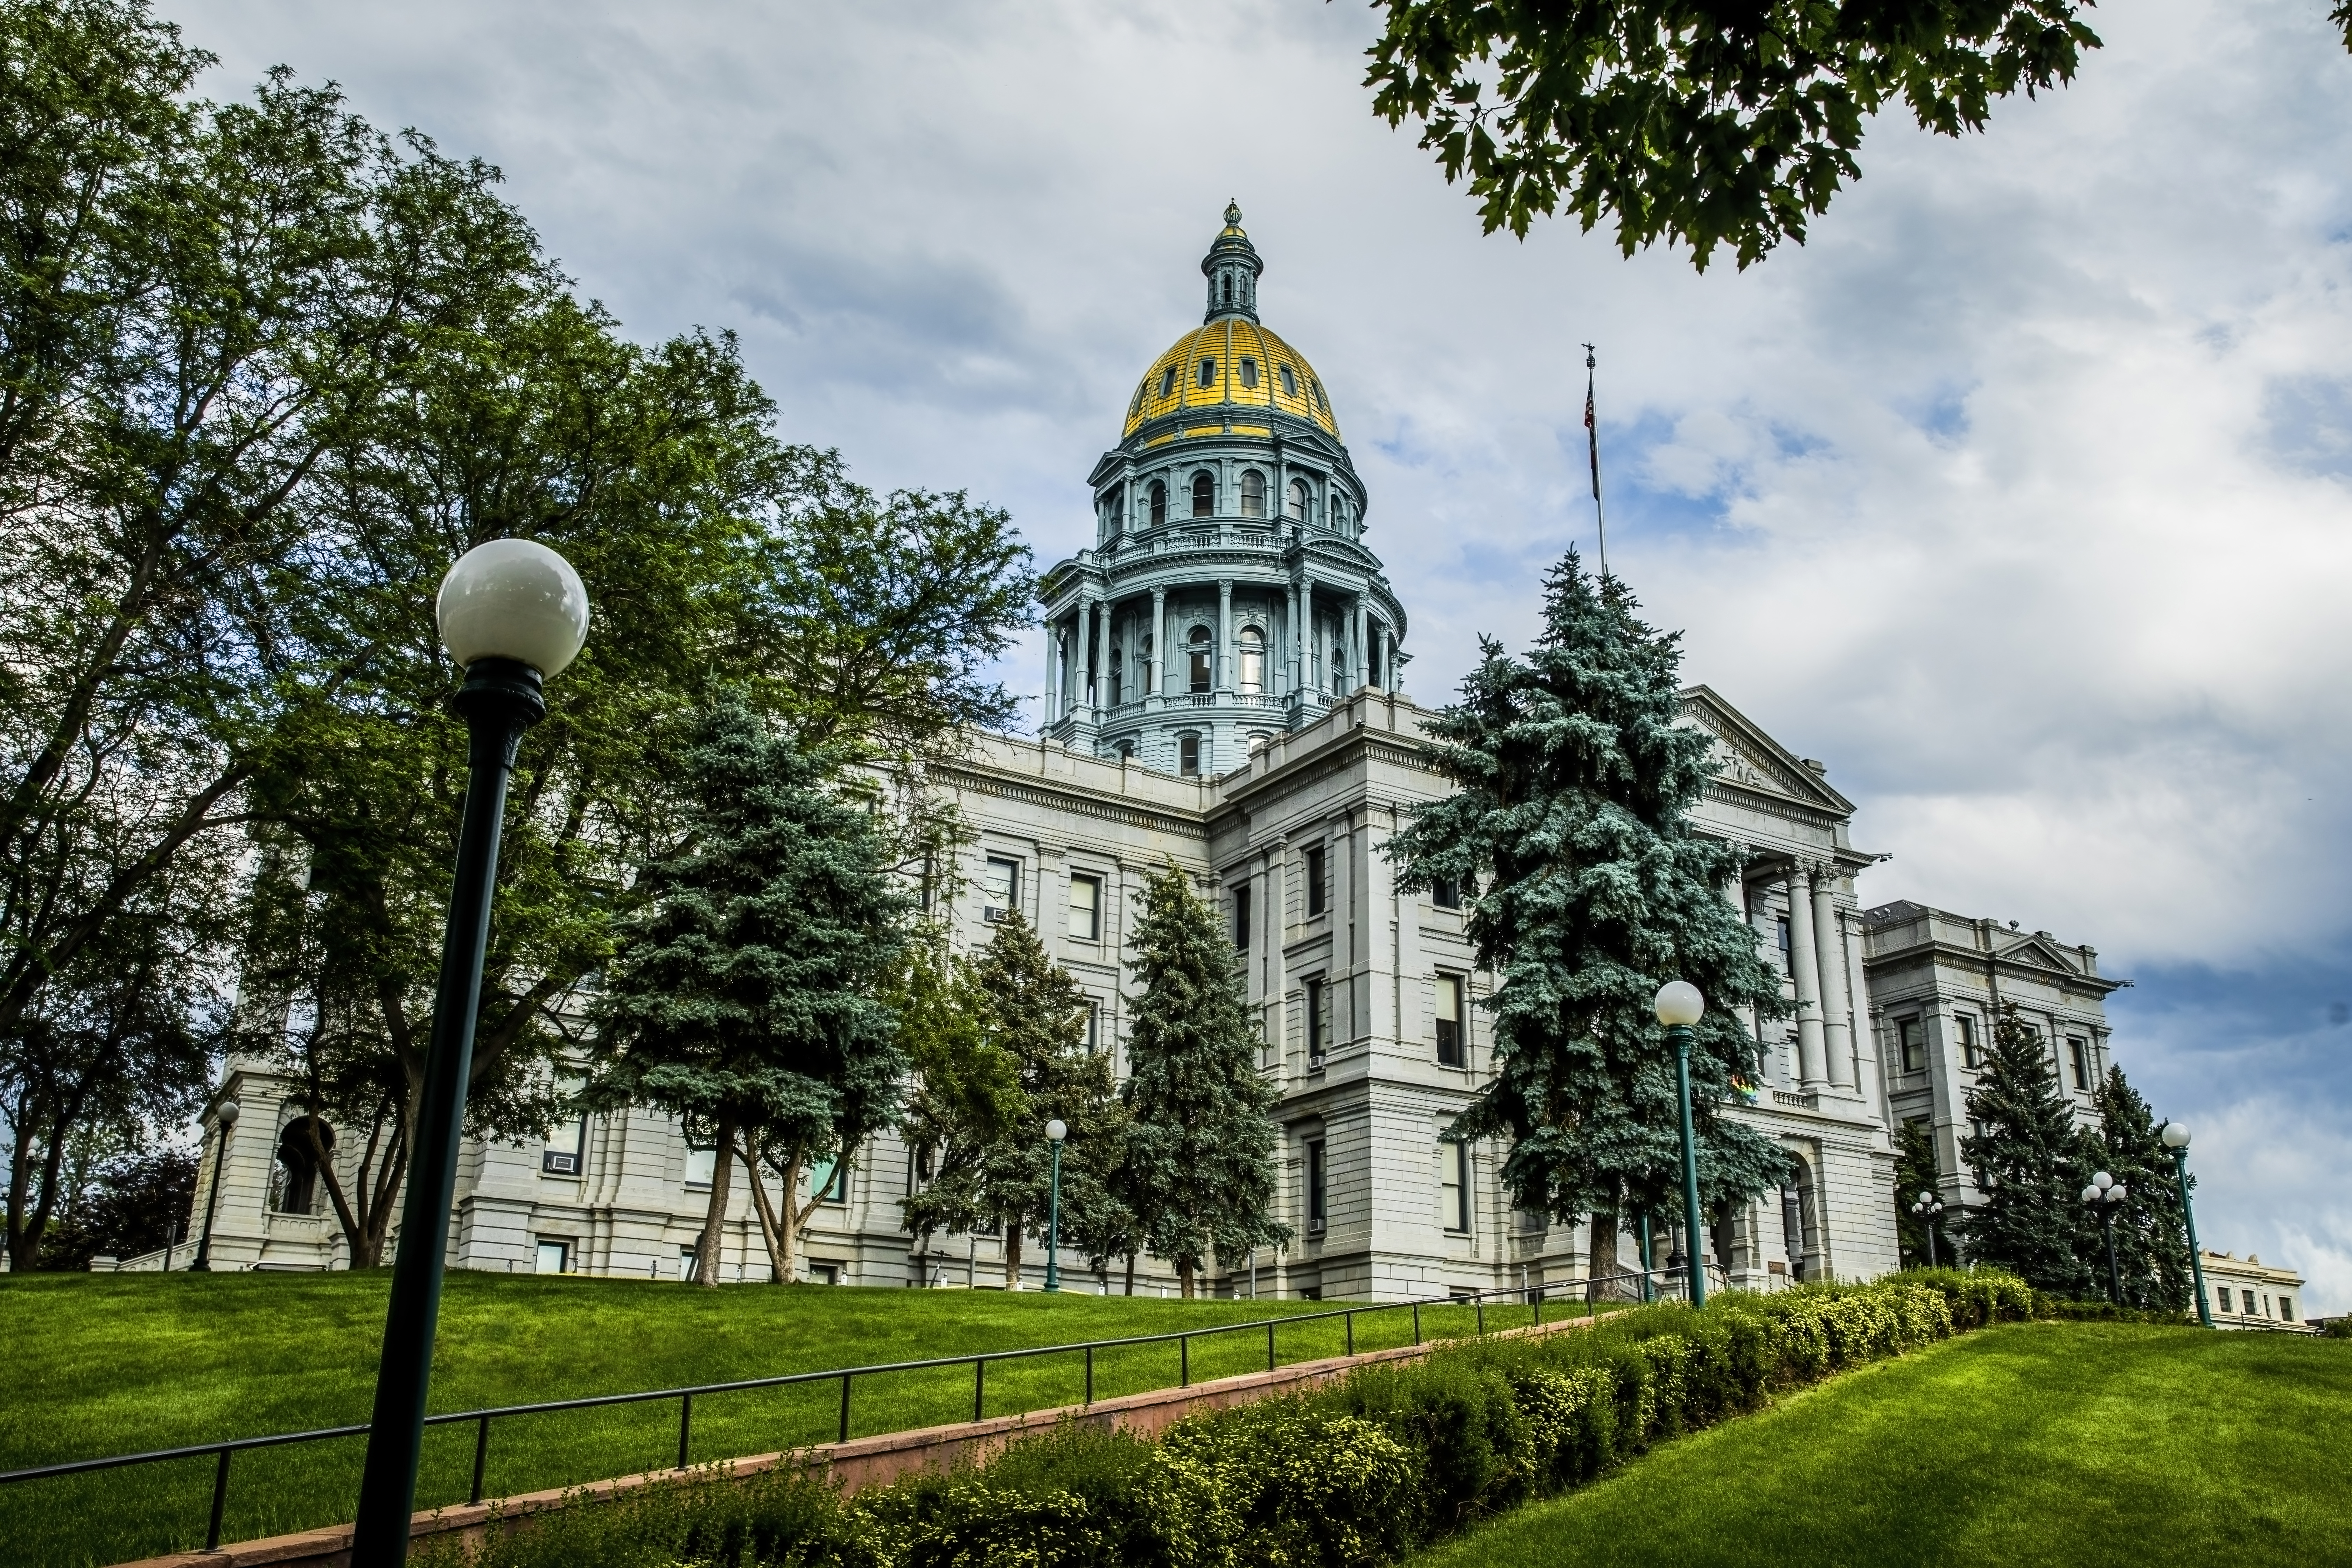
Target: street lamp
<point x="512" y="612"/>
<point x="1055" y="1131"/>
<point x="226" y="1116"/>
<point x="2104" y="1193"/>
<point x="1679" y="1005"/>
<point x="1928" y="1207"/>
<point x="2176" y="1138"/>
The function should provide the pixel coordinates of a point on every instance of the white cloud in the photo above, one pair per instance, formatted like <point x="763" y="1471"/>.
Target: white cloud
<point x="2023" y="493"/>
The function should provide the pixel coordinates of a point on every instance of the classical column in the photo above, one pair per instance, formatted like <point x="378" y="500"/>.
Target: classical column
<point x="1053" y="708"/>
<point x="1297" y="636"/>
<point x="1837" y="1021"/>
<point x="1356" y="653"/>
<point x="1804" y="967"/>
<point x="1102" y="654"/>
<point x="1158" y="639"/>
<point x="1224" y="634"/>
<point x="1735" y="893"/>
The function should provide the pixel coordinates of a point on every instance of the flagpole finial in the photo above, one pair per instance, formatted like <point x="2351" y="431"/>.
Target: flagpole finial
<point x="1590" y="363"/>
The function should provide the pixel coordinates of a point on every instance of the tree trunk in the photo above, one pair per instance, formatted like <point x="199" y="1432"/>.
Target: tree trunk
<point x="1130" y="1273"/>
<point x="790" y="1231"/>
<point x="1184" y="1276"/>
<point x="714" y="1221"/>
<point x="1604" y="1258"/>
<point x="765" y="1211"/>
<point x="1013" y="1254"/>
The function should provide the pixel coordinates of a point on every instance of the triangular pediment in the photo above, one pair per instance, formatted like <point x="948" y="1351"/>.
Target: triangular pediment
<point x="2044" y="952"/>
<point x="1751" y="758"/>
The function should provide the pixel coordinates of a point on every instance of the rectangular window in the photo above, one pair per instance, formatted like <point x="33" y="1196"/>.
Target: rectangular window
<point x="828" y="1180"/>
<point x="1445" y="893"/>
<point x="1319" y="1019"/>
<point x="700" y="1165"/>
<point x="555" y="1258"/>
<point x="1315" y="888"/>
<point x="1000" y="888"/>
<point x="1449" y="1051"/>
<point x="1196" y="662"/>
<point x="562" y="1155"/>
<point x="1907" y="1032"/>
<point x="1781" y="925"/>
<point x="1094" y="1028"/>
<point x="2078" y="1057"/>
<point x="1968" y="1057"/>
<point x="1086" y="909"/>
<point x="1454" y="1183"/>
<point x="2224" y="1294"/>
<point x="1242" y="918"/>
<point x="685" y="1265"/>
<point x="2286" y="1308"/>
<point x="1188" y="755"/>
<point x="1316" y="1191"/>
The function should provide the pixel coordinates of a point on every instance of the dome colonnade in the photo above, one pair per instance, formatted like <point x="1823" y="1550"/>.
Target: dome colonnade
<point x="1228" y="596"/>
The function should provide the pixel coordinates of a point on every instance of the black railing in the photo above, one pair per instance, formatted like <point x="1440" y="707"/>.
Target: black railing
<point x="979" y="1361"/>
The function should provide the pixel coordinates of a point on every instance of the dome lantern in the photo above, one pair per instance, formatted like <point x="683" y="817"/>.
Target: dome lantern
<point x="1232" y="267"/>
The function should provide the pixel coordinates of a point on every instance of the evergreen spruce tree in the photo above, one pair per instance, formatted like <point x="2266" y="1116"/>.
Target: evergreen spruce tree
<point x="2028" y="1159"/>
<point x="1034" y="1013"/>
<point x="2152" y="1240"/>
<point x="966" y="1096"/>
<point x="1916" y="1171"/>
<point x="1199" y="1171"/>
<point x="745" y="995"/>
<point x="1574" y="786"/>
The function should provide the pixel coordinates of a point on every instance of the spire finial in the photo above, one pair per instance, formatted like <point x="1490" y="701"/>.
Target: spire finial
<point x="1233" y="212"/>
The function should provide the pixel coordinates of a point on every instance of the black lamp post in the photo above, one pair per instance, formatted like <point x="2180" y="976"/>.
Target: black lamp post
<point x="226" y="1116"/>
<point x="1928" y="1207"/>
<point x="511" y="612"/>
<point x="1679" y="1005"/>
<point x="1055" y="1131"/>
<point x="2103" y="1194"/>
<point x="2176" y="1138"/>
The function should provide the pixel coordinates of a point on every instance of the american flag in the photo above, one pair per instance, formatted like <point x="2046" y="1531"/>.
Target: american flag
<point x="1591" y="436"/>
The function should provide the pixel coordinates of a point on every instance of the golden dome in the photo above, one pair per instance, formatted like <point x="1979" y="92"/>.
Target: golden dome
<point x="1225" y="368"/>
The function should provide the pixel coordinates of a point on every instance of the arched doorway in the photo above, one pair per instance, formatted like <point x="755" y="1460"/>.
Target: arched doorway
<point x="294" y="1184"/>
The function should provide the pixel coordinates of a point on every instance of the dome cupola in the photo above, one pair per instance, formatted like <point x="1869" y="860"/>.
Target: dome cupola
<point x="1232" y="267"/>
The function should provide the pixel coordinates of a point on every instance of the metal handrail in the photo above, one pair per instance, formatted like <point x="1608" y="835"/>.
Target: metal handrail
<point x="978" y="1360"/>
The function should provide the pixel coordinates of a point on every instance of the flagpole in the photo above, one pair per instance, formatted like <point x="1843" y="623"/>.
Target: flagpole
<point x="1592" y="447"/>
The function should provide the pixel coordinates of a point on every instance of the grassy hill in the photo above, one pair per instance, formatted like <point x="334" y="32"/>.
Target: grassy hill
<point x="117" y="1363"/>
<point x="2076" y="1444"/>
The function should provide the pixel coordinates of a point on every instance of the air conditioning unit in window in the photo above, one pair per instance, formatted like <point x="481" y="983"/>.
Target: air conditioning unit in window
<point x="995" y="916"/>
<point x="561" y="1164"/>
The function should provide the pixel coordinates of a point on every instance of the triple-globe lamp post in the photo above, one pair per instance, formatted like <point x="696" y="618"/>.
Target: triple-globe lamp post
<point x="1679" y="1005"/>
<point x="2176" y="1138"/>
<point x="1927" y="1207"/>
<point x="2104" y="1195"/>
<point x="512" y="612"/>
<point x="1055" y="1131"/>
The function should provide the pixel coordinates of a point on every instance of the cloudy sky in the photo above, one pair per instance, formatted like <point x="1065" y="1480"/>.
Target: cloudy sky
<point x="2023" y="493"/>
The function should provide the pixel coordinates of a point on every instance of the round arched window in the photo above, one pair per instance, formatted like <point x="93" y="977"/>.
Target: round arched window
<point x="1296" y="506"/>
<point x="1196" y="659"/>
<point x="1159" y="503"/>
<point x="1205" y="495"/>
<point x="1253" y="493"/>
<point x="1253" y="652"/>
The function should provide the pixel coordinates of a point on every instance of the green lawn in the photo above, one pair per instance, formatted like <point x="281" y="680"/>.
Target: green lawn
<point x="2075" y="1444"/>
<point x="101" y="1364"/>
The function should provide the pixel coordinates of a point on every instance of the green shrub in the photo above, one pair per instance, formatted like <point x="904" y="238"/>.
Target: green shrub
<point x="1357" y="1473"/>
<point x="2337" y="1327"/>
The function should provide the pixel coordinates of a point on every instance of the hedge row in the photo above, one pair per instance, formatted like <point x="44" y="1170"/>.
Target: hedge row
<point x="1361" y="1471"/>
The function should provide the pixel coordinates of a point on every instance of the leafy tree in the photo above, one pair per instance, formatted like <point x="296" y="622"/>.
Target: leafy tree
<point x="746" y="995"/>
<point x="966" y="1091"/>
<point x="1573" y="789"/>
<point x="1699" y="123"/>
<point x="2027" y="1162"/>
<point x="2151" y="1238"/>
<point x="1199" y="1173"/>
<point x="133" y="1203"/>
<point x="1914" y="1173"/>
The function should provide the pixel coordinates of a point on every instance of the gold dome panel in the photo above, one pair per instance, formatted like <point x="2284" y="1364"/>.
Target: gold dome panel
<point x="1225" y="368"/>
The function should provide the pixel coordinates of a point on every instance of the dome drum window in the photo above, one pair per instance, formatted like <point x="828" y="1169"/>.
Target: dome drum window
<point x="1296" y="506"/>
<point x="1205" y="495"/>
<point x="1289" y="382"/>
<point x="1168" y="382"/>
<point x="1248" y="371"/>
<point x="1207" y="373"/>
<point x="1159" y="503"/>
<point x="1196" y="659"/>
<point x="1252" y="651"/>
<point x="1253" y="491"/>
